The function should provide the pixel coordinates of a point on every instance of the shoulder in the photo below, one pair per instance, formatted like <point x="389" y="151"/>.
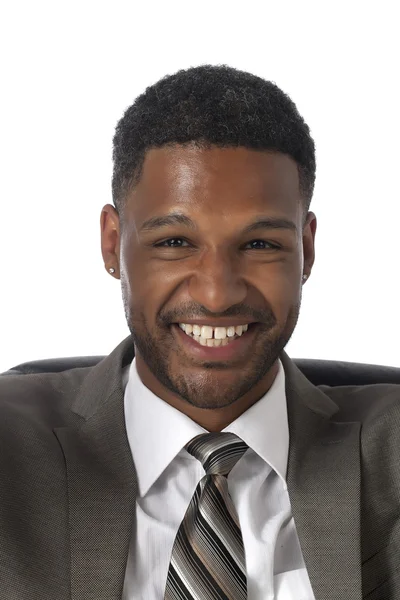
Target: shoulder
<point x="377" y="409"/>
<point x="365" y="403"/>
<point x="31" y="407"/>
<point x="42" y="398"/>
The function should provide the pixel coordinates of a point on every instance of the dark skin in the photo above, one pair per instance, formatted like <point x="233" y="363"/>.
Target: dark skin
<point x="212" y="272"/>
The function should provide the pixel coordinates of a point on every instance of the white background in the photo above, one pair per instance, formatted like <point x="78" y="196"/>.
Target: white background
<point x="69" y="70"/>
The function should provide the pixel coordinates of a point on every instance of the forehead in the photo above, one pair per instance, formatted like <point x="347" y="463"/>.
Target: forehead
<point x="215" y="181"/>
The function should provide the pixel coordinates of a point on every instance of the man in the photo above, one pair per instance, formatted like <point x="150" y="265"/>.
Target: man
<point x="196" y="461"/>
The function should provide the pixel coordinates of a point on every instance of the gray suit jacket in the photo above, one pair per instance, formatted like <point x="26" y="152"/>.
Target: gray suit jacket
<point x="68" y="484"/>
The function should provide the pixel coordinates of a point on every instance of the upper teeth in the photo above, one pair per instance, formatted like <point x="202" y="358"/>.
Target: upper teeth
<point x="208" y="332"/>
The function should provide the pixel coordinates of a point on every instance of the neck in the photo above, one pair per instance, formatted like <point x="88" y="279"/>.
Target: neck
<point x="211" y="419"/>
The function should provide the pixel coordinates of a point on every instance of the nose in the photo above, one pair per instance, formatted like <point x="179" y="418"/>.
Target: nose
<point x="216" y="282"/>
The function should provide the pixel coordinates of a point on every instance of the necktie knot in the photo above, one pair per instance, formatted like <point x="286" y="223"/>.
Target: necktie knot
<point x="217" y="452"/>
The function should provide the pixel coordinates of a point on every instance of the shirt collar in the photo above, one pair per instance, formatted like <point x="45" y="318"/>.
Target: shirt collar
<point x="157" y="431"/>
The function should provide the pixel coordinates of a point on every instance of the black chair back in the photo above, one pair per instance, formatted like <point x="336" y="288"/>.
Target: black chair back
<point x="319" y="372"/>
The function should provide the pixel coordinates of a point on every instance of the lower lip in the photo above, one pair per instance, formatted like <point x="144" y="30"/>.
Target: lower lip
<point x="239" y="347"/>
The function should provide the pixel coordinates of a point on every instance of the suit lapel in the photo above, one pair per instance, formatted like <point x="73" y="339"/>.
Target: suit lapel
<point x="324" y="488"/>
<point x="101" y="482"/>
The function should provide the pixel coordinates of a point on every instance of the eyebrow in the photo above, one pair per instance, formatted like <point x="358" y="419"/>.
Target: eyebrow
<point x="171" y="219"/>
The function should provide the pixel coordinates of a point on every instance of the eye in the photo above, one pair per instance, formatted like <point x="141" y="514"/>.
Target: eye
<point x="162" y="244"/>
<point x="273" y="246"/>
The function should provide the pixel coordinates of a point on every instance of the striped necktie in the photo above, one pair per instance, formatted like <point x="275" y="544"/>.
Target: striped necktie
<point x="208" y="559"/>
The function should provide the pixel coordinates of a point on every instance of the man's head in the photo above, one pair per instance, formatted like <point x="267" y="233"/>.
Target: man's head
<point x="222" y="149"/>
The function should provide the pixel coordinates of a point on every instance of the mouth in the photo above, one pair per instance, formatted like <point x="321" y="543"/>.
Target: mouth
<point x="232" y="347"/>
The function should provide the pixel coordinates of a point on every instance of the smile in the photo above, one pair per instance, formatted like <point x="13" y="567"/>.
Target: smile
<point x="207" y="335"/>
<point x="213" y="343"/>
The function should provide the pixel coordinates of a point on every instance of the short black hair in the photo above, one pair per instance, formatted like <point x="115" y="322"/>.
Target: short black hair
<point x="211" y="105"/>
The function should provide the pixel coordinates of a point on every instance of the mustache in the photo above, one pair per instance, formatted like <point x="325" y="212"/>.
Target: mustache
<point x="191" y="311"/>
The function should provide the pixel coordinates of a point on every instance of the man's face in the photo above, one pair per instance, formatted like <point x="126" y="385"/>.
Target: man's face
<point x="213" y="271"/>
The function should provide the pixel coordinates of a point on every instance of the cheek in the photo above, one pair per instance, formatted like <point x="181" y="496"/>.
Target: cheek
<point x="148" y="289"/>
<point x="280" y="294"/>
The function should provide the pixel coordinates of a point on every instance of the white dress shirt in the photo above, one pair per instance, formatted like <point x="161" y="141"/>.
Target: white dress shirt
<point x="167" y="478"/>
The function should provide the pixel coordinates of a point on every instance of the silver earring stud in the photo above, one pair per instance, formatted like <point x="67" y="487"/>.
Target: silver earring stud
<point x="111" y="270"/>
<point x="305" y="277"/>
